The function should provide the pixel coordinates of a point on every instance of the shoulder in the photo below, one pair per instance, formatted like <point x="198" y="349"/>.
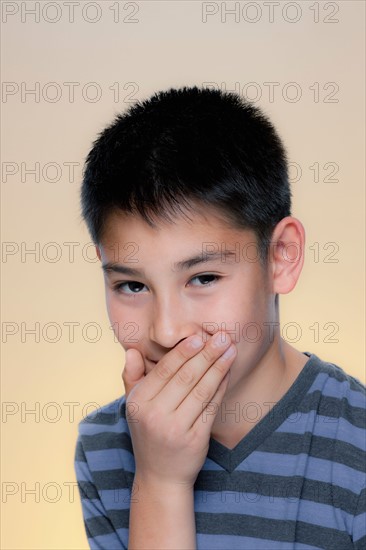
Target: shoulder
<point x="333" y="381"/>
<point x="105" y="427"/>
<point x="339" y="402"/>
<point x="110" y="414"/>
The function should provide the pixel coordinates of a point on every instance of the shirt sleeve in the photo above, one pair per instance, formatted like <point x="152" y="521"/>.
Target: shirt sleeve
<point x="99" y="529"/>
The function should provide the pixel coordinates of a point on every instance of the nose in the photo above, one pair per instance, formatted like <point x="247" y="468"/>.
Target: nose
<point x="171" y="322"/>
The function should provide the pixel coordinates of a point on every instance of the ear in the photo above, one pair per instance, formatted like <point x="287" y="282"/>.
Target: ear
<point x="286" y="254"/>
<point x="98" y="252"/>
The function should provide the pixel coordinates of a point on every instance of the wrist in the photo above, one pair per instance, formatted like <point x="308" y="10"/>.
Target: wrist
<point x="154" y="484"/>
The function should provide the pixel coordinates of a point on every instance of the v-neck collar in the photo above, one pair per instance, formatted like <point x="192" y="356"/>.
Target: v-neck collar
<point x="229" y="459"/>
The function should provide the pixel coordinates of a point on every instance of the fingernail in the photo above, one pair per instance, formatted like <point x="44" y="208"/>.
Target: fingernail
<point x="229" y="352"/>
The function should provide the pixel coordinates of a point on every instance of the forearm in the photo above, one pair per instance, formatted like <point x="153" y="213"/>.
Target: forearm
<point x="161" y="517"/>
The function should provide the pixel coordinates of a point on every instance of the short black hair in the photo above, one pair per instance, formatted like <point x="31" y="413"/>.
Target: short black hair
<point x="183" y="147"/>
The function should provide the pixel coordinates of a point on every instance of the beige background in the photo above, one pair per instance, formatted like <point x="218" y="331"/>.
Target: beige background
<point x="313" y="51"/>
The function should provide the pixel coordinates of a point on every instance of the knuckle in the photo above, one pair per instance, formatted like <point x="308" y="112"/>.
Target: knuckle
<point x="201" y="393"/>
<point x="163" y="371"/>
<point x="185" y="376"/>
<point x="207" y="354"/>
<point x="181" y="354"/>
<point x="219" y="368"/>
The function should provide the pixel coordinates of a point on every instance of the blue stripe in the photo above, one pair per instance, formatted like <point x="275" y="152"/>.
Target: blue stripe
<point x="110" y="459"/>
<point x="281" y="464"/>
<point x="359" y="526"/>
<point x="92" y="508"/>
<point x="215" y="542"/>
<point x="82" y="471"/>
<point x="107" y="542"/>
<point x="331" y="387"/>
<point x="212" y="466"/>
<point x="340" y="429"/>
<point x="265" y="506"/>
<point x="116" y="499"/>
<point x="92" y="429"/>
<point x="316" y="468"/>
<point x="122" y="458"/>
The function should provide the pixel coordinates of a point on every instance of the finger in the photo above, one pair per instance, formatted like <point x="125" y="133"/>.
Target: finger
<point x="191" y="408"/>
<point x="188" y="376"/>
<point x="208" y="414"/>
<point x="168" y="366"/>
<point x="134" y="370"/>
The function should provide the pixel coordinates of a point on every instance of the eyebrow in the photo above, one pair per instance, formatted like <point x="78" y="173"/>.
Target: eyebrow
<point x="113" y="267"/>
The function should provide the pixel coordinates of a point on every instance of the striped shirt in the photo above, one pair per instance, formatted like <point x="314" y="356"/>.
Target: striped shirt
<point x="297" y="480"/>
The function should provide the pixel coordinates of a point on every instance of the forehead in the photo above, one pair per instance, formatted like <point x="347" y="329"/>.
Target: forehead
<point x="193" y="228"/>
<point x="128" y="238"/>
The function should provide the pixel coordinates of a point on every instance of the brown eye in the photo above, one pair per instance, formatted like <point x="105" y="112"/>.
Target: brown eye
<point x="128" y="287"/>
<point x="206" y="279"/>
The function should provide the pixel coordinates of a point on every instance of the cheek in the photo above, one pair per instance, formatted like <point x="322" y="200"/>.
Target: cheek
<point x="112" y="307"/>
<point x="125" y="321"/>
<point x="241" y="307"/>
<point x="227" y="312"/>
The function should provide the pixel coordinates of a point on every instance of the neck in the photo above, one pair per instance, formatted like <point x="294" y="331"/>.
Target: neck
<point x="255" y="389"/>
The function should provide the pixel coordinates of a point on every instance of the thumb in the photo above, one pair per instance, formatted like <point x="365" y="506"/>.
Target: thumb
<point x="134" y="370"/>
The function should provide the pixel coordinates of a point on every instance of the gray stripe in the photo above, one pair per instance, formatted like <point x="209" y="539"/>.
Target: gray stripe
<point x="108" y="414"/>
<point x="361" y="506"/>
<point x="332" y="407"/>
<point x="271" y="486"/>
<point x="360" y="544"/>
<point x="279" y="442"/>
<point x="276" y="530"/>
<point x="100" y="526"/>
<point x="267" y="486"/>
<point x="321" y="447"/>
<point x="341" y="376"/>
<point x="79" y="452"/>
<point x="110" y="479"/>
<point x="107" y="440"/>
<point x="288" y="443"/>
<point x="87" y="490"/>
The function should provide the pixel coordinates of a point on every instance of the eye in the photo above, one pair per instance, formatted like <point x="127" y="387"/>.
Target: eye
<point x="207" y="279"/>
<point x="131" y="288"/>
<point x="128" y="287"/>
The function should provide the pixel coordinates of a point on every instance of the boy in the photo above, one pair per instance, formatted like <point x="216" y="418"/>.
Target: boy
<point x="227" y="437"/>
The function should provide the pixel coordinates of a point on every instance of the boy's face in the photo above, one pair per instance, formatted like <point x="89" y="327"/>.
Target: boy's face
<point x="159" y="304"/>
